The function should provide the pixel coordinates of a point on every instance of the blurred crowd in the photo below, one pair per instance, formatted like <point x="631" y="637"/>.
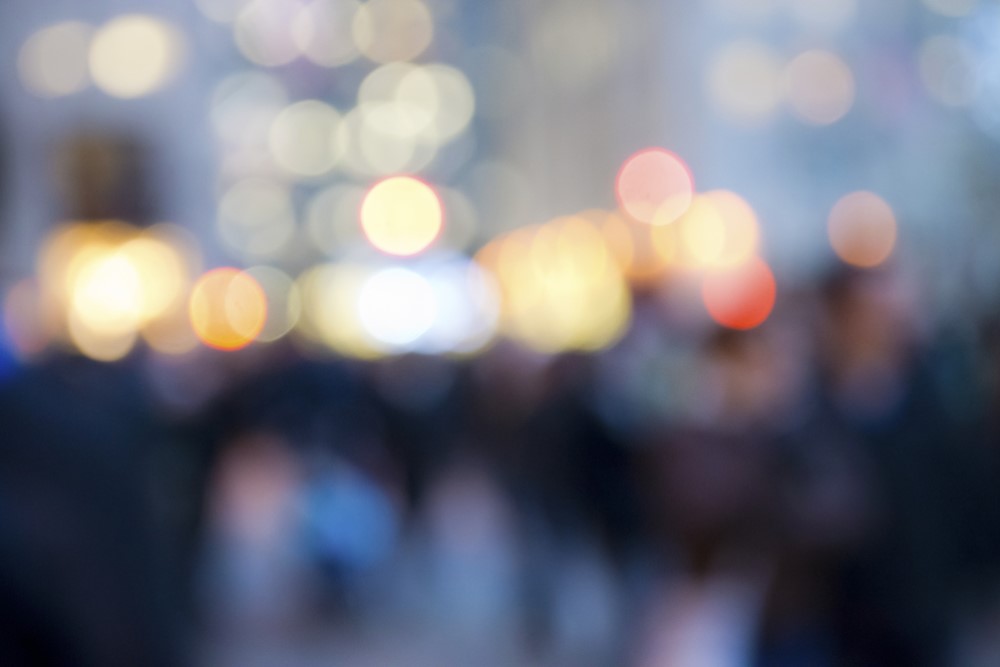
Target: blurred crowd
<point x="821" y="490"/>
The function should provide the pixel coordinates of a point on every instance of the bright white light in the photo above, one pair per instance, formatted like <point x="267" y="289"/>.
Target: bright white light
<point x="468" y="308"/>
<point x="396" y="307"/>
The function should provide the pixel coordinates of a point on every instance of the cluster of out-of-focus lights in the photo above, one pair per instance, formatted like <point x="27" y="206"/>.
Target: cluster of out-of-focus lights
<point x="436" y="305"/>
<point x="561" y="286"/>
<point x="720" y="230"/>
<point x="667" y="227"/>
<point x="130" y="56"/>
<point x="104" y="284"/>
<point x="329" y="33"/>
<point x="862" y="229"/>
<point x="748" y="82"/>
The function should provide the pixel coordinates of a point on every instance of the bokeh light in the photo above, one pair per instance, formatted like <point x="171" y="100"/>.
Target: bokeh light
<point x="331" y="221"/>
<point x="401" y="215"/>
<point x="330" y="316"/>
<point x="256" y="218"/>
<point x="390" y="30"/>
<point x="228" y="309"/>
<point x="576" y="44"/>
<point x="719" y="230"/>
<point x="53" y="61"/>
<point x="284" y="304"/>
<point x="952" y="8"/>
<point x="644" y="253"/>
<point x="862" y="229"/>
<point x="172" y="333"/>
<point x="654" y="186"/>
<point x="740" y="297"/>
<point x="744" y="82"/>
<point x="106" y="297"/>
<point x="302" y="138"/>
<point x="24" y="319"/>
<point x="819" y="87"/>
<point x="467" y="306"/>
<point x="221" y="11"/>
<point x="104" y="283"/>
<point x="322" y="32"/>
<point x="100" y="345"/>
<point x="135" y="55"/>
<point x="948" y="70"/>
<point x="244" y="105"/>
<point x="561" y="287"/>
<point x="825" y="14"/>
<point x="396" y="306"/>
<point x="263" y="32"/>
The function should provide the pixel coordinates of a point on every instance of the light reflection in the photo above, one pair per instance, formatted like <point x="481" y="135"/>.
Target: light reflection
<point x="862" y="229"/>
<point x="135" y="55"/>
<point x="53" y="61"/>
